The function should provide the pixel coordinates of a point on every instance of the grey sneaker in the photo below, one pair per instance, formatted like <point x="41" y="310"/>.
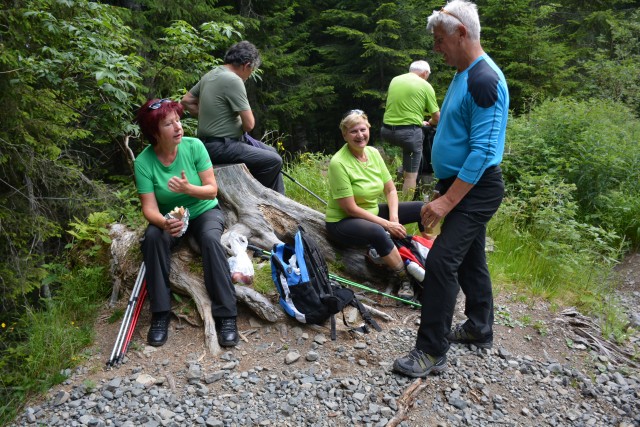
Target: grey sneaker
<point x="406" y="290"/>
<point x="460" y="335"/>
<point x="418" y="364"/>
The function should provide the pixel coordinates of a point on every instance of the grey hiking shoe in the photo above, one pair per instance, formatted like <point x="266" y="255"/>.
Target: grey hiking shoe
<point x="460" y="335"/>
<point x="406" y="290"/>
<point x="418" y="364"/>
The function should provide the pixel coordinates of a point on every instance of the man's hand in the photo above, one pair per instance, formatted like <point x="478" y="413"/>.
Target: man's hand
<point x="191" y="103"/>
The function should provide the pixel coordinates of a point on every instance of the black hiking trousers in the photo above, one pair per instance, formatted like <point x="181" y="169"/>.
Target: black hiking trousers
<point x="457" y="261"/>
<point x="207" y="230"/>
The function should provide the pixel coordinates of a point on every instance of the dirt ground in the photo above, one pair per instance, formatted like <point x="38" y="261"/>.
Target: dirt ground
<point x="524" y="326"/>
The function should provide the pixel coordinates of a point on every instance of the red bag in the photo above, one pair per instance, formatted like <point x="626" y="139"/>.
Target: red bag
<point x="413" y="251"/>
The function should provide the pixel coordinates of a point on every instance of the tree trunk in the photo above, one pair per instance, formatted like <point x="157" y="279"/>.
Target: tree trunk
<point x="265" y="218"/>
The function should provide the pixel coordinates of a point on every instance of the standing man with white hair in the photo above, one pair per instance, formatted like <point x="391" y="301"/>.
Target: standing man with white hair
<point x="408" y="98"/>
<point x="467" y="152"/>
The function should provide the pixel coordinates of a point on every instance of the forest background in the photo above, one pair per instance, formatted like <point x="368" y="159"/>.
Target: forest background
<point x="72" y="74"/>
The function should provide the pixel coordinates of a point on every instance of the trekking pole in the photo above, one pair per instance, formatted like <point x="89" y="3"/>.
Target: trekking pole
<point x="375" y="291"/>
<point x="350" y="282"/>
<point x="305" y="188"/>
<point x="134" y="322"/>
<point x="127" y="315"/>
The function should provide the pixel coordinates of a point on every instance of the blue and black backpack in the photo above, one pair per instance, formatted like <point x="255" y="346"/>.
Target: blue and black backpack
<point x="307" y="293"/>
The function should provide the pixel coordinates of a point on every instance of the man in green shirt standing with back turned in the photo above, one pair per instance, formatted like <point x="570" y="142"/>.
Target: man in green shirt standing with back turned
<point x="408" y="98"/>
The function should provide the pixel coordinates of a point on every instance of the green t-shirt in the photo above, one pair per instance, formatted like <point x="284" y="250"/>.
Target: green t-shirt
<point x="152" y="176"/>
<point x="349" y="177"/>
<point x="221" y="96"/>
<point x="408" y="97"/>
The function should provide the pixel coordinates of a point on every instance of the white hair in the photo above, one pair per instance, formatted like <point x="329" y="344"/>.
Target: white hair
<point x="456" y="12"/>
<point x="420" y="67"/>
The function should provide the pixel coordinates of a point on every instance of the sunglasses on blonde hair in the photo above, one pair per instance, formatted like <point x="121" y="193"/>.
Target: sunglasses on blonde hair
<point x="350" y="112"/>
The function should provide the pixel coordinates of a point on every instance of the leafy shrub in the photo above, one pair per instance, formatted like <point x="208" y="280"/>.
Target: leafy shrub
<point x="592" y="145"/>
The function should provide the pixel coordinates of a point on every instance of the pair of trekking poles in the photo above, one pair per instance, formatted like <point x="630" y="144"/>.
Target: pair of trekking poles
<point x="130" y="319"/>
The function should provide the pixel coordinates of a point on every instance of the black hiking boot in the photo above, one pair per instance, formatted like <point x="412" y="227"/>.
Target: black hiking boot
<point x="227" y="331"/>
<point x="460" y="335"/>
<point x="159" y="330"/>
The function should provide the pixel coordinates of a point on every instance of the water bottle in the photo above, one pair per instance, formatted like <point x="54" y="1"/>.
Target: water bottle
<point x="414" y="269"/>
<point x="433" y="232"/>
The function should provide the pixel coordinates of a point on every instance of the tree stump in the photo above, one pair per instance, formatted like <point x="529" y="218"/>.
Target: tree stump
<point x="265" y="217"/>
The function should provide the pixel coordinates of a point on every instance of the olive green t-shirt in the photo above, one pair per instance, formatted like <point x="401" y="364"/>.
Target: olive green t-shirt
<point x="349" y="177"/>
<point x="152" y="176"/>
<point x="221" y="96"/>
<point x="408" y="98"/>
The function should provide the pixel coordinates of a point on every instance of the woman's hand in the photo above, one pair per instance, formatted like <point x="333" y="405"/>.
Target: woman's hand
<point x="396" y="230"/>
<point x="173" y="226"/>
<point x="179" y="185"/>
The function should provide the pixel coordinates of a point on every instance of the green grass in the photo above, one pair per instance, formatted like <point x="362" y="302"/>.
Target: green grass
<point x="44" y="342"/>
<point x="310" y="171"/>
<point x="533" y="266"/>
<point x="262" y="281"/>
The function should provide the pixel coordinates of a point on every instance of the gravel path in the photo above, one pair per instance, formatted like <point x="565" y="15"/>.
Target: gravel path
<point x="289" y="375"/>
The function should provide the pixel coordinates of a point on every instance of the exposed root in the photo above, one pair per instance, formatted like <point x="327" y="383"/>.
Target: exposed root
<point x="588" y="333"/>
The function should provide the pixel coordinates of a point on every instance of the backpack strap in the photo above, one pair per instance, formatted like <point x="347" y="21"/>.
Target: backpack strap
<point x="362" y="328"/>
<point x="366" y="315"/>
<point x="333" y="328"/>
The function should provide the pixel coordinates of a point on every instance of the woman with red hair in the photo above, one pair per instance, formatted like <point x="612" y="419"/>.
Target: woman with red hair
<point x="176" y="171"/>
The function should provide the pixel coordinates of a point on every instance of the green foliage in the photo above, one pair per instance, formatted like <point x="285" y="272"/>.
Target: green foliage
<point x="610" y="40"/>
<point x="591" y="145"/>
<point x="185" y="54"/>
<point x="90" y="238"/>
<point x="534" y="56"/>
<point x="68" y="73"/>
<point x="65" y="323"/>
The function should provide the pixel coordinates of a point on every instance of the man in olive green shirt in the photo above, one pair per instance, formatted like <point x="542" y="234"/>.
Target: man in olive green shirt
<point x="408" y="98"/>
<point x="220" y="102"/>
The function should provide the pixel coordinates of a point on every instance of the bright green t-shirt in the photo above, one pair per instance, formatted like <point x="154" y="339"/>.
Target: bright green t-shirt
<point x="152" y="176"/>
<point x="221" y="96"/>
<point x="349" y="177"/>
<point x="408" y="97"/>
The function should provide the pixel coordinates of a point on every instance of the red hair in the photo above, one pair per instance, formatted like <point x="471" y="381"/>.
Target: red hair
<point x="152" y="113"/>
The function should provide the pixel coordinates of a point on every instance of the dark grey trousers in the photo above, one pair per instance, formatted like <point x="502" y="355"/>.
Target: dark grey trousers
<point x="263" y="162"/>
<point x="207" y="230"/>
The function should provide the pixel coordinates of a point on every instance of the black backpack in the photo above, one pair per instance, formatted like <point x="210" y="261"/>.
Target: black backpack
<point x="307" y="293"/>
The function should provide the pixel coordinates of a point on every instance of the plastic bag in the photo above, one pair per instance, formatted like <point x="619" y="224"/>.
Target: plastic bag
<point x="240" y="264"/>
<point x="180" y="213"/>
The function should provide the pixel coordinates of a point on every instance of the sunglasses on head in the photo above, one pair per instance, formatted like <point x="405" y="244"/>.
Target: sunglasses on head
<point x="350" y="112"/>
<point x="446" y="12"/>
<point x="157" y="104"/>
